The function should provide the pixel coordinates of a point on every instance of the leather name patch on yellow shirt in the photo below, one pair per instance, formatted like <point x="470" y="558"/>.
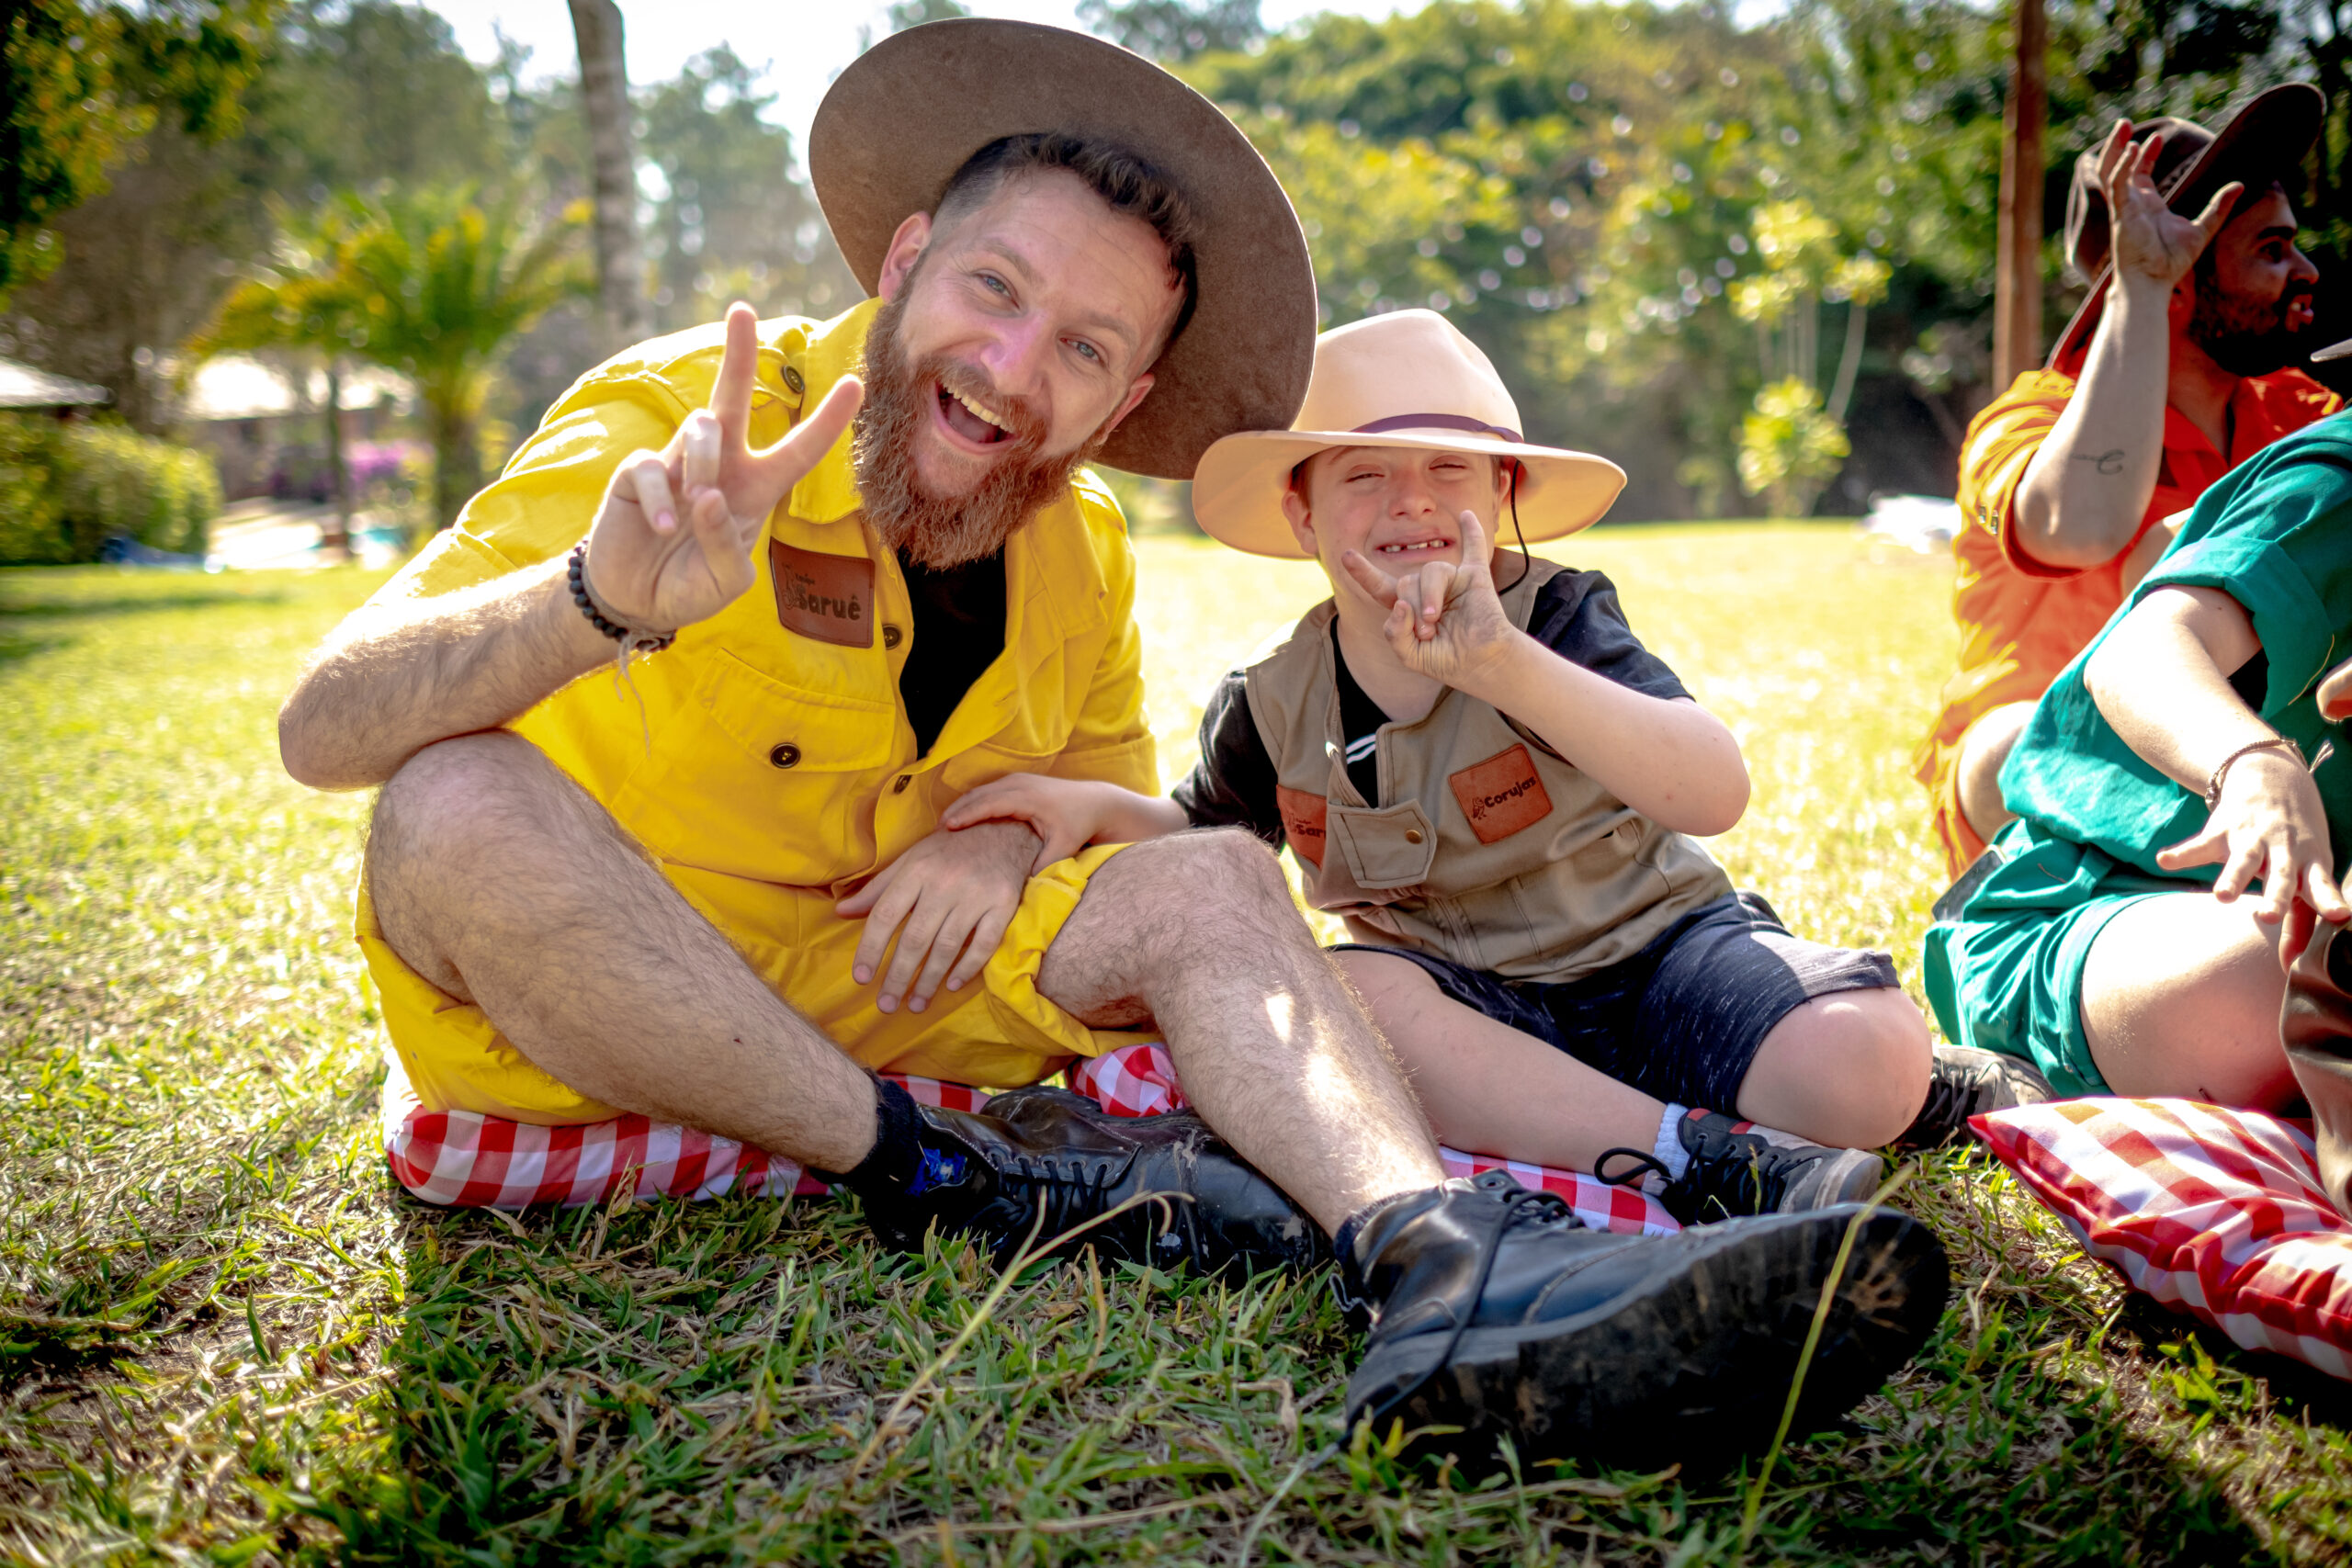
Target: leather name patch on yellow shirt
<point x="829" y="598"/>
<point x="1304" y="819"/>
<point x="1501" y="795"/>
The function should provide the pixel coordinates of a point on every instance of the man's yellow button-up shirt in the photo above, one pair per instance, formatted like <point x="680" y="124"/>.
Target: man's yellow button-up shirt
<point x="764" y="754"/>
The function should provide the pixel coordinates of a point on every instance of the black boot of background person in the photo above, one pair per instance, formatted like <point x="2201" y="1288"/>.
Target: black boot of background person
<point x="1495" y="1311"/>
<point x="1969" y="1080"/>
<point x="1044" y="1160"/>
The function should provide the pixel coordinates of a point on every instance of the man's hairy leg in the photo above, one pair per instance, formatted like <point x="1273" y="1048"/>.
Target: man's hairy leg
<point x="2180" y="997"/>
<point x="1197" y="935"/>
<point x="498" y="879"/>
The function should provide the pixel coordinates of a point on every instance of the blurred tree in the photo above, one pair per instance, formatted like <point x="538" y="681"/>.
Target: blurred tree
<point x="733" y="221"/>
<point x="1175" y="31"/>
<point x="80" y="85"/>
<point x="604" y="100"/>
<point x="440" y="280"/>
<point x="347" y="94"/>
<point x="303" y="302"/>
<point x="905" y="13"/>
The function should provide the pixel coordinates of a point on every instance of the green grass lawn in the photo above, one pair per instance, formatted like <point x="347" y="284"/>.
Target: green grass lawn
<point x="224" y="1334"/>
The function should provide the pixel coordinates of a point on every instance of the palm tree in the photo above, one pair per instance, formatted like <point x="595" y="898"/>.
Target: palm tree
<point x="301" y="301"/>
<point x="440" y="280"/>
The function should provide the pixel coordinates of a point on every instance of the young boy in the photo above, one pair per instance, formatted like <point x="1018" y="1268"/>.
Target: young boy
<point x="1485" y="773"/>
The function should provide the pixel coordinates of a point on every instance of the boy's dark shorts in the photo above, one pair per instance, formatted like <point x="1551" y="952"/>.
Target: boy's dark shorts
<point x="1682" y="1018"/>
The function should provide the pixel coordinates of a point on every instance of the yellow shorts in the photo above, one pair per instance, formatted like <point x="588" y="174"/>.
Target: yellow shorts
<point x="997" y="1034"/>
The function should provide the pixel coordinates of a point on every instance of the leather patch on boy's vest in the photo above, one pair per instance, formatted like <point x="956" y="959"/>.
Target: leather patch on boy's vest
<point x="829" y="598"/>
<point x="1304" y="816"/>
<point x="1501" y="795"/>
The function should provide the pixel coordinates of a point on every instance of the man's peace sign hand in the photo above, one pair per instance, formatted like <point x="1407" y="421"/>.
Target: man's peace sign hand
<point x="1444" y="621"/>
<point x="671" y="544"/>
<point x="2151" y="242"/>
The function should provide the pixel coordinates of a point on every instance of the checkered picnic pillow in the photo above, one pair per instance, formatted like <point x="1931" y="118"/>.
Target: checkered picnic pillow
<point x="2217" y="1214"/>
<point x="468" y="1160"/>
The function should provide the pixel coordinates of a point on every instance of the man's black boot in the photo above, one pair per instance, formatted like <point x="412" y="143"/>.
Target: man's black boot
<point x="1039" y="1161"/>
<point x="1494" y="1310"/>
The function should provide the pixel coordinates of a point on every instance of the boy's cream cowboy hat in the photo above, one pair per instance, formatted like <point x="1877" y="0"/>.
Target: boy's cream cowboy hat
<point x="1408" y="379"/>
<point x="898" y="123"/>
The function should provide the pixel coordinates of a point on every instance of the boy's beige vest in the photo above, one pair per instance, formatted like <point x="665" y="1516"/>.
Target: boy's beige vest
<point x="1493" y="852"/>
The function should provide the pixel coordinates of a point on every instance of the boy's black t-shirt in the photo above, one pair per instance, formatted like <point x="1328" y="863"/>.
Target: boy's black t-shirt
<point x="1576" y="615"/>
<point x="958" y="632"/>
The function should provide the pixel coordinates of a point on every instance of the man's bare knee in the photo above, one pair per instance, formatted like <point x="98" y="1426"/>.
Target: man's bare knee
<point x="1210" y="897"/>
<point x="444" y="824"/>
<point x="1985" y="747"/>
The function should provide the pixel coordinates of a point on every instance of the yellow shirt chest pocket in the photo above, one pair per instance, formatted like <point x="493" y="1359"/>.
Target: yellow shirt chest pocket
<point x="773" y="779"/>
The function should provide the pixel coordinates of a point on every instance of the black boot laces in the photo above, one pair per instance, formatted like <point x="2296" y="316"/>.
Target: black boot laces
<point x="1066" y="1192"/>
<point x="1539" y="1208"/>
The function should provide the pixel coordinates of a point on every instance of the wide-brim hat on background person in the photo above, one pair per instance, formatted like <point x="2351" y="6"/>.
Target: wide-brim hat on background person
<point x="1406" y="379"/>
<point x="2263" y="143"/>
<point x="898" y="123"/>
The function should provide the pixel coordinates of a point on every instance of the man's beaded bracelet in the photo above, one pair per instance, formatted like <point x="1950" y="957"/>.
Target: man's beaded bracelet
<point x="2221" y="773"/>
<point x="577" y="575"/>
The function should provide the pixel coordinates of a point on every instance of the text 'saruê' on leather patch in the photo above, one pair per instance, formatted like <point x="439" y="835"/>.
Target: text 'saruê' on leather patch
<point x="828" y="598"/>
<point x="1304" y="816"/>
<point x="1501" y="795"/>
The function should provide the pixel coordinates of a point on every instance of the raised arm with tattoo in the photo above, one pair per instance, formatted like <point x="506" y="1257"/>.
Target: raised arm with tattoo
<point x="395" y="679"/>
<point x="2084" y="495"/>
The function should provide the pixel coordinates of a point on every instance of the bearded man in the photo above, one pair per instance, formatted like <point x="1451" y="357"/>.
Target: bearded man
<point x="2174" y="370"/>
<point x="673" y="893"/>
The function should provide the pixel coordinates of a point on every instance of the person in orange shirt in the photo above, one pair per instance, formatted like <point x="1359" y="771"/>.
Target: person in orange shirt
<point x="2172" y="373"/>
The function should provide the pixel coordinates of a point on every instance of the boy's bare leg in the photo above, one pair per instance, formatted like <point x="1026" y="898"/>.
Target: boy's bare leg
<point x="1849" y="1069"/>
<point x="498" y="879"/>
<point x="1197" y="934"/>
<point x="1491" y="1089"/>
<point x="2181" y="996"/>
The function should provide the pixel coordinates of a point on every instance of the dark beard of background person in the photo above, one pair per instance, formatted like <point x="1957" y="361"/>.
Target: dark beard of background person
<point x="2246" y="337"/>
<point x="941" y="531"/>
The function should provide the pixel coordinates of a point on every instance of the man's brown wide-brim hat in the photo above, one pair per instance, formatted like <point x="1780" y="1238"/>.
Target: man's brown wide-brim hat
<point x="2263" y="142"/>
<point x="898" y="123"/>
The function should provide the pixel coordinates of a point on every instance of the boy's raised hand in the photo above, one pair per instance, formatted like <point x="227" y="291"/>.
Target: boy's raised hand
<point x="1445" y="620"/>
<point x="671" y="542"/>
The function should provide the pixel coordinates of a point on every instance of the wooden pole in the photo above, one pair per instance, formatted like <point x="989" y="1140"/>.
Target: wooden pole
<point x="2017" y="288"/>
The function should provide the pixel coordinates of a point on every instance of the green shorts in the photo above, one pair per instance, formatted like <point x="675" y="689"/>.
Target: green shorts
<point x="2006" y="974"/>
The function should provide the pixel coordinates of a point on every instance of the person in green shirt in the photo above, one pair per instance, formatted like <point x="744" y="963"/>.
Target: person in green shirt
<point x="2113" y="934"/>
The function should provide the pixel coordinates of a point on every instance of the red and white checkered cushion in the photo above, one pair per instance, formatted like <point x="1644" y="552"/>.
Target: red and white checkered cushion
<point x="468" y="1160"/>
<point x="2218" y="1214"/>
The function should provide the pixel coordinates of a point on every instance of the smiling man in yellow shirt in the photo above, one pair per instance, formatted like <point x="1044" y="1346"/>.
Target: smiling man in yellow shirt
<point x="710" y="885"/>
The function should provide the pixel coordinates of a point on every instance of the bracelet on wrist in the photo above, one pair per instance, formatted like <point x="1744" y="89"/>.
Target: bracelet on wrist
<point x="630" y="638"/>
<point x="2222" y="772"/>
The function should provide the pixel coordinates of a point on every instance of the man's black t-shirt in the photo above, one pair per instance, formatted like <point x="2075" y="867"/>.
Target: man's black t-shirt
<point x="1576" y="615"/>
<point x="958" y="631"/>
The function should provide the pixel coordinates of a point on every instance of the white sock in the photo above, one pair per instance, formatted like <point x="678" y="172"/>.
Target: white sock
<point x="1669" y="1147"/>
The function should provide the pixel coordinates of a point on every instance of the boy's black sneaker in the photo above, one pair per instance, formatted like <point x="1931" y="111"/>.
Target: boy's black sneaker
<point x="1968" y="1081"/>
<point x="1496" y="1312"/>
<point x="1735" y="1172"/>
<point x="1038" y="1161"/>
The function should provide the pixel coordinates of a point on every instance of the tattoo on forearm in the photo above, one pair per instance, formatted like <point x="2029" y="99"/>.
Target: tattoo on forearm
<point x="2105" y="462"/>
